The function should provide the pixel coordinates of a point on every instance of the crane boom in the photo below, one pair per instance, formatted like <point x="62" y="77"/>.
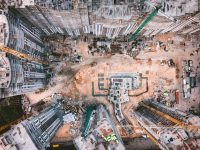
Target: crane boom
<point x="4" y="127"/>
<point x="21" y="55"/>
<point x="144" y="23"/>
<point x="168" y="117"/>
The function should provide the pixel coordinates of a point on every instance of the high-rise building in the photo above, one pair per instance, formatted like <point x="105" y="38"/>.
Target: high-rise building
<point x="99" y="131"/>
<point x="17" y="4"/>
<point x="111" y="18"/>
<point x="162" y="37"/>
<point x="168" y="128"/>
<point x="34" y="133"/>
<point x="22" y="56"/>
<point x="119" y="86"/>
<point x="95" y="17"/>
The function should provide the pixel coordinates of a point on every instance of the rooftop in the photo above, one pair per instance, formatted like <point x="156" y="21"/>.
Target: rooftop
<point x="5" y="71"/>
<point x="4" y="29"/>
<point x="93" y="53"/>
<point x="17" y="138"/>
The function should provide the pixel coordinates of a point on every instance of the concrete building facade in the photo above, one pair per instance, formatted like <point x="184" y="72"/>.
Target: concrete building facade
<point x="109" y="19"/>
<point x="168" y="128"/>
<point x="18" y="40"/>
<point x="34" y="133"/>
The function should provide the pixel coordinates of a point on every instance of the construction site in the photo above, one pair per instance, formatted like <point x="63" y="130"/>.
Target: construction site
<point x="100" y="74"/>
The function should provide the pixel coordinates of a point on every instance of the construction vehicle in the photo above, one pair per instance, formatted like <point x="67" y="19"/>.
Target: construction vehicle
<point x="21" y="55"/>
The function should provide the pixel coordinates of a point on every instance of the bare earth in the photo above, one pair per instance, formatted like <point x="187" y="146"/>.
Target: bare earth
<point x="160" y="77"/>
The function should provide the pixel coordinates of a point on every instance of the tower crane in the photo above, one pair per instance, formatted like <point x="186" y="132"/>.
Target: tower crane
<point x="21" y="55"/>
<point x="148" y="19"/>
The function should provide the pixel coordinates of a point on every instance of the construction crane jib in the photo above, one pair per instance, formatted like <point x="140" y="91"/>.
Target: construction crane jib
<point x="21" y="55"/>
<point x="143" y="24"/>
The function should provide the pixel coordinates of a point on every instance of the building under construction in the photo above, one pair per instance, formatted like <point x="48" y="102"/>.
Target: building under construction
<point x="35" y="132"/>
<point x="109" y="18"/>
<point x="168" y="128"/>
<point x="139" y="58"/>
<point x="22" y="56"/>
<point x="98" y="131"/>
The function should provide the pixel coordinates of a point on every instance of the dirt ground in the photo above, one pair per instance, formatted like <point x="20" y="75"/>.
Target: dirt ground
<point x="63" y="132"/>
<point x="82" y="85"/>
<point x="160" y="76"/>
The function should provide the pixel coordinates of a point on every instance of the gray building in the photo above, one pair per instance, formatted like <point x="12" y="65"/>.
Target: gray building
<point x="34" y="133"/>
<point x="22" y="56"/>
<point x="167" y="127"/>
<point x="101" y="131"/>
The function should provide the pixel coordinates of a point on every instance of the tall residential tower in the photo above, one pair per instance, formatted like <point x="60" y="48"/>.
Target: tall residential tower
<point x="34" y="133"/>
<point x="22" y="56"/>
<point x="168" y="128"/>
